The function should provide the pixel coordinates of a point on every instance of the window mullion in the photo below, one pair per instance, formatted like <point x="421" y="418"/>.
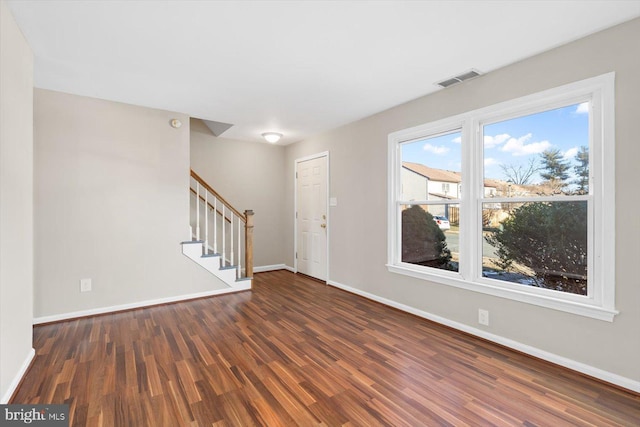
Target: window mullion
<point x="467" y="205"/>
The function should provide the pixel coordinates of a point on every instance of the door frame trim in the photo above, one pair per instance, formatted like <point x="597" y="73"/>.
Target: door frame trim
<point x="324" y="154"/>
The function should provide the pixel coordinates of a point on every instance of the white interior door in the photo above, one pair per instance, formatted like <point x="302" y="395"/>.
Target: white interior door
<point x="311" y="217"/>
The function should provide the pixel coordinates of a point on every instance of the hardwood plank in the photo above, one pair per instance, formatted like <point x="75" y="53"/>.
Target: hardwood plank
<point x="188" y="382"/>
<point x="292" y="381"/>
<point x="153" y="376"/>
<point x="296" y="352"/>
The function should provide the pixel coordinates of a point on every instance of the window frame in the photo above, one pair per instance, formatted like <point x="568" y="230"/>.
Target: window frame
<point x="599" y="303"/>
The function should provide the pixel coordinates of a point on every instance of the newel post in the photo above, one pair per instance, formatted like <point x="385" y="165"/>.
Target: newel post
<point x="248" y="242"/>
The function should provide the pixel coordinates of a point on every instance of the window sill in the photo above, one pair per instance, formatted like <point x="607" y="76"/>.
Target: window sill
<point x="581" y="309"/>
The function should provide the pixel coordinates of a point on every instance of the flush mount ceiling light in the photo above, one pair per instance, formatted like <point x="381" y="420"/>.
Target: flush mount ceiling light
<point x="272" y="137"/>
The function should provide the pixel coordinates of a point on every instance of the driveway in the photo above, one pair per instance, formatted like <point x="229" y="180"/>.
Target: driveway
<point x="453" y="243"/>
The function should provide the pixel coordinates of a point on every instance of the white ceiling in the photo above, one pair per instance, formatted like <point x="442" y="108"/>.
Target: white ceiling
<point x="295" y="67"/>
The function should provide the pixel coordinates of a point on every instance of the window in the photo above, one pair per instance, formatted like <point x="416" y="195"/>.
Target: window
<point x="426" y="202"/>
<point x="542" y="161"/>
<point x="536" y="220"/>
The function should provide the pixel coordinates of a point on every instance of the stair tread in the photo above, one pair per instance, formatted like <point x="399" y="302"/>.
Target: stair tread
<point x="210" y="255"/>
<point x="189" y="242"/>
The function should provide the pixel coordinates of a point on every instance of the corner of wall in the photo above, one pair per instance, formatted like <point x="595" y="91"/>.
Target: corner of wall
<point x="16" y="202"/>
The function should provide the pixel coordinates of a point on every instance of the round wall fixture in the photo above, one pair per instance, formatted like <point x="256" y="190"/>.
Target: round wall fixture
<point x="175" y="123"/>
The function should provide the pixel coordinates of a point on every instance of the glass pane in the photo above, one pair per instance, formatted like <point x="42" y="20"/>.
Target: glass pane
<point x="536" y="244"/>
<point x="430" y="235"/>
<point x="541" y="154"/>
<point x="431" y="168"/>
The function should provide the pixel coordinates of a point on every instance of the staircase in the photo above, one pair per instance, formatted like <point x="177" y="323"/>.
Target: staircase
<point x="221" y="238"/>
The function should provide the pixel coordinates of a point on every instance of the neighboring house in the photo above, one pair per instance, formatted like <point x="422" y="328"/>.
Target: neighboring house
<point x="421" y="182"/>
<point x="494" y="187"/>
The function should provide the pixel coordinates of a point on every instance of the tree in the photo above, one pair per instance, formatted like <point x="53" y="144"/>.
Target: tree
<point x="520" y="174"/>
<point x="555" y="168"/>
<point x="422" y="240"/>
<point x="582" y="170"/>
<point x="548" y="238"/>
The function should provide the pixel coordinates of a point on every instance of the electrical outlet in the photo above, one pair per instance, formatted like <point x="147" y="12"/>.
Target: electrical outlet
<point x="483" y="317"/>
<point x="85" y="285"/>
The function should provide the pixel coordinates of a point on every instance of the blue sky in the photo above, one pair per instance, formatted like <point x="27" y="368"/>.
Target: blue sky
<point x="511" y="142"/>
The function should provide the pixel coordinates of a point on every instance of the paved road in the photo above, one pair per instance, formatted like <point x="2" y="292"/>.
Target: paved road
<point x="453" y="243"/>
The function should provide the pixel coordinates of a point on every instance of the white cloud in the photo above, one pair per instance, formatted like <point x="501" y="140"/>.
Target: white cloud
<point x="457" y="140"/>
<point x="582" y="108"/>
<point x="490" y="161"/>
<point x="435" y="150"/>
<point x="519" y="146"/>
<point x="570" y="153"/>
<point x="492" y="141"/>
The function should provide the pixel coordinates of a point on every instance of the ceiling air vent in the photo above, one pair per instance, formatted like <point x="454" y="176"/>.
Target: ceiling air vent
<point x="457" y="79"/>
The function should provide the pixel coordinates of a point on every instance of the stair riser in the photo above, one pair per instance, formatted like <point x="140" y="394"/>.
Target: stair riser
<point x="212" y="264"/>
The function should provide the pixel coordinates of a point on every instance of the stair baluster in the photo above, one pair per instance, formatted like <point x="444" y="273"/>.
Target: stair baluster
<point x="205" y="252"/>
<point x="231" y="241"/>
<point x="215" y="225"/>
<point x="197" y="210"/>
<point x="206" y="222"/>
<point x="239" y="273"/>
<point x="224" y="236"/>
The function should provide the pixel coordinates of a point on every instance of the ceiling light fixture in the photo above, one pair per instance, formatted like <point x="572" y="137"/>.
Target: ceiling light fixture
<point x="272" y="137"/>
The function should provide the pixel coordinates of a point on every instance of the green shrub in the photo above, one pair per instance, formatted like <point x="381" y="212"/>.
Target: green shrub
<point x="422" y="240"/>
<point x="548" y="238"/>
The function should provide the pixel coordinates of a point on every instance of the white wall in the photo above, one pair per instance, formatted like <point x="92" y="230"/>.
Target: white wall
<point x="359" y="181"/>
<point x="111" y="203"/>
<point x="249" y="175"/>
<point x="435" y="187"/>
<point x="16" y="203"/>
<point x="414" y="186"/>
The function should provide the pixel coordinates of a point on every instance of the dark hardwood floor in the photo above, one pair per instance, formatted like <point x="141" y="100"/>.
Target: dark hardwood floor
<point x="296" y="352"/>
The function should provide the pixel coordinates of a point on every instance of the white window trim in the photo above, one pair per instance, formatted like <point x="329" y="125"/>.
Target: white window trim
<point x="600" y="301"/>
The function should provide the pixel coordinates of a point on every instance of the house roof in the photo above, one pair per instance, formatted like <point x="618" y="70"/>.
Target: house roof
<point x="442" y="175"/>
<point x="432" y="173"/>
<point x="494" y="183"/>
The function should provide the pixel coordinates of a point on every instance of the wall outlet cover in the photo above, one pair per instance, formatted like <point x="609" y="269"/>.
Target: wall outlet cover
<point x="85" y="285"/>
<point x="483" y="317"/>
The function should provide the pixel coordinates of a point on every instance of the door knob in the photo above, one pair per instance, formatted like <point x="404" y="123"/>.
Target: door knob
<point x="323" y="225"/>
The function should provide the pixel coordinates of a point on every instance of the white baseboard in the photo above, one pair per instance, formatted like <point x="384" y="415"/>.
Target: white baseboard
<point x="263" y="268"/>
<point x="103" y="310"/>
<point x="16" y="380"/>
<point x="583" y="368"/>
<point x="111" y="309"/>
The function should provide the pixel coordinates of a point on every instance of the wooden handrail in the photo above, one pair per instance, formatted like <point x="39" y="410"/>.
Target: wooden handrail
<point x="218" y="196"/>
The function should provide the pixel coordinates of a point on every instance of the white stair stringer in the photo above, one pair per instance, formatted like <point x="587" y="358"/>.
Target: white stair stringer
<point x="212" y="263"/>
